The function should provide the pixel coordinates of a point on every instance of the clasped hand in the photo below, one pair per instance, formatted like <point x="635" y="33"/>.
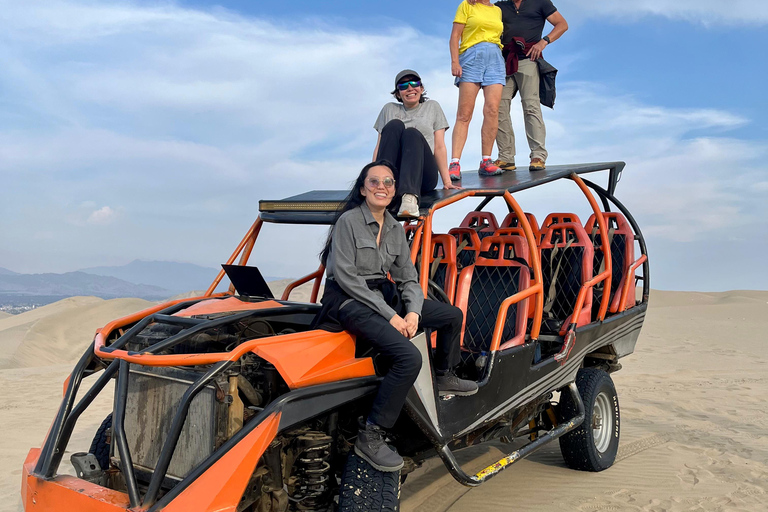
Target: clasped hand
<point x="406" y="326"/>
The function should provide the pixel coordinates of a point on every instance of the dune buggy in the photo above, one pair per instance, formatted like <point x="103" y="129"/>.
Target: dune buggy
<point x="232" y="401"/>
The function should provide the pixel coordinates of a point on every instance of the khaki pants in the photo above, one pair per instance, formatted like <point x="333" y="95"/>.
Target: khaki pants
<point x="526" y="80"/>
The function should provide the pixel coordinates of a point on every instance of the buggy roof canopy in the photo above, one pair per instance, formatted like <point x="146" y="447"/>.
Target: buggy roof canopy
<point x="320" y="206"/>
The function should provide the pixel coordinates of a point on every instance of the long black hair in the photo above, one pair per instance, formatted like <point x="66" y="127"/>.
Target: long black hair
<point x="353" y="200"/>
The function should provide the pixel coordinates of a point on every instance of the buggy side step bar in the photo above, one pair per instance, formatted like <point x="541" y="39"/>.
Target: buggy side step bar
<point x="474" y="480"/>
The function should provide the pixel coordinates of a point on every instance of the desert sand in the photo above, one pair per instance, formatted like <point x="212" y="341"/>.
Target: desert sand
<point x="693" y="403"/>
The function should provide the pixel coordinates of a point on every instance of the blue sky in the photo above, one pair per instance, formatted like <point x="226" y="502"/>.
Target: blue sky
<point x="150" y="130"/>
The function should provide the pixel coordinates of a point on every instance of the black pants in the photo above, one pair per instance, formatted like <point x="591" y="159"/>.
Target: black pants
<point x="407" y="148"/>
<point x="403" y="356"/>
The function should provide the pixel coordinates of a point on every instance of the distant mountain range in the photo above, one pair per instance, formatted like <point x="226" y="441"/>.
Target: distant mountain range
<point x="76" y="283"/>
<point x="151" y="280"/>
<point x="174" y="277"/>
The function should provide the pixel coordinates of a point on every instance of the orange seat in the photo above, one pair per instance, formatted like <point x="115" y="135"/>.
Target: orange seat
<point x="483" y="222"/>
<point x="484" y="285"/>
<point x="442" y="262"/>
<point x="566" y="259"/>
<point x="511" y="221"/>
<point x="557" y="218"/>
<point x="468" y="245"/>
<point x="622" y="242"/>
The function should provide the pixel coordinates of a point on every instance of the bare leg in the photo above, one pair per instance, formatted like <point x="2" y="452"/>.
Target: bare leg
<point x="492" y="95"/>
<point x="467" y="95"/>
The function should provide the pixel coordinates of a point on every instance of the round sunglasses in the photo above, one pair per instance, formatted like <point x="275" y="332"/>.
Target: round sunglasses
<point x="373" y="183"/>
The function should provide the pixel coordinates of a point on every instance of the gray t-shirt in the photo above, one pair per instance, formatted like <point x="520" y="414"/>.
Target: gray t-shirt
<point x="427" y="117"/>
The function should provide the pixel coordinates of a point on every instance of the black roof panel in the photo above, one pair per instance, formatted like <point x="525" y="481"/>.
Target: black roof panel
<point x="319" y="206"/>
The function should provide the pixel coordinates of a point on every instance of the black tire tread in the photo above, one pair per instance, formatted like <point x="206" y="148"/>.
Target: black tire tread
<point x="577" y="446"/>
<point x="99" y="445"/>
<point x="366" y="489"/>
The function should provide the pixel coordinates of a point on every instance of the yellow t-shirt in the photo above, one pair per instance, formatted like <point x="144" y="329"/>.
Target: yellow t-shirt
<point x="482" y="24"/>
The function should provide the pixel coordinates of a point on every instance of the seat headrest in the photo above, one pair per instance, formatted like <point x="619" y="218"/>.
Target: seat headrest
<point x="478" y="220"/>
<point x="564" y="232"/>
<point x="503" y="250"/>
<point x="466" y="234"/>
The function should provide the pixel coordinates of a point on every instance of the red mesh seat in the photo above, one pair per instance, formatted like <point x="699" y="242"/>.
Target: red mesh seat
<point x="622" y="242"/>
<point x="482" y="222"/>
<point x="566" y="260"/>
<point x="557" y="218"/>
<point x="467" y="245"/>
<point x="442" y="264"/>
<point x="517" y="232"/>
<point x="511" y="221"/>
<point x="484" y="285"/>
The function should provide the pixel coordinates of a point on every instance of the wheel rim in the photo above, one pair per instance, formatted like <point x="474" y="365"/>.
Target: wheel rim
<point x="602" y="422"/>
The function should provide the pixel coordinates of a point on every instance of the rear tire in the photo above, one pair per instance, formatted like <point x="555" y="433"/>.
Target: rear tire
<point x="366" y="489"/>
<point x="101" y="441"/>
<point x="592" y="446"/>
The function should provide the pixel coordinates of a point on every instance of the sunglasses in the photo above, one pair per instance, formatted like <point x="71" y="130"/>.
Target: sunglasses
<point x="404" y="86"/>
<point x="373" y="183"/>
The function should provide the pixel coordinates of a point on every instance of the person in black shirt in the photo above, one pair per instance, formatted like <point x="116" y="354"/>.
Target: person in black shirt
<point x="524" y="23"/>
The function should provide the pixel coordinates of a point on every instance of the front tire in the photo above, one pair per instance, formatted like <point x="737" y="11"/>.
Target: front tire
<point x="101" y="441"/>
<point x="592" y="446"/>
<point x="366" y="489"/>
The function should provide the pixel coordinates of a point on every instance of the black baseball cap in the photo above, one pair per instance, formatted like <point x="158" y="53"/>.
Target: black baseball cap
<point x="404" y="73"/>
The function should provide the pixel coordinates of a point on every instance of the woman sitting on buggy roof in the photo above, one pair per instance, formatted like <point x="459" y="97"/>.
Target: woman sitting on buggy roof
<point x="364" y="245"/>
<point x="412" y="136"/>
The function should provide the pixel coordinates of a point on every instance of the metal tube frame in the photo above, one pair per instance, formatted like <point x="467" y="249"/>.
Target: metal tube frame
<point x="454" y="468"/>
<point x="118" y="434"/>
<point x="606" y="195"/>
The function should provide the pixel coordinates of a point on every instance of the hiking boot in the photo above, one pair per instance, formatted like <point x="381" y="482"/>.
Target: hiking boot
<point x="409" y="206"/>
<point x="505" y="166"/>
<point x="370" y="446"/>
<point x="455" y="171"/>
<point x="537" y="164"/>
<point x="450" y="384"/>
<point x="487" y="168"/>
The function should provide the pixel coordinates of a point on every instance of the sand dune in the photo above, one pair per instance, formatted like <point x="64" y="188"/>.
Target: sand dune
<point x="3" y="314"/>
<point x="58" y="332"/>
<point x="693" y="399"/>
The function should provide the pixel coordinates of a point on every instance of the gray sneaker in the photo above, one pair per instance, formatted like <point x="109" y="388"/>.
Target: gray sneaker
<point x="450" y="384"/>
<point x="409" y="206"/>
<point x="370" y="446"/>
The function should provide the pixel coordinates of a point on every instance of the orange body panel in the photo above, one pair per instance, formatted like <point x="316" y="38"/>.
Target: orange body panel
<point x="314" y="357"/>
<point x="302" y="358"/>
<point x="231" y="304"/>
<point x="66" y="493"/>
<point x="220" y="488"/>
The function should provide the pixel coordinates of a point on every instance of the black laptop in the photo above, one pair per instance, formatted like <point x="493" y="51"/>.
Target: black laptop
<point x="248" y="281"/>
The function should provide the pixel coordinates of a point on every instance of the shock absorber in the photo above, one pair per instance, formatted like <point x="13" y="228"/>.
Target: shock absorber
<point x="310" y="478"/>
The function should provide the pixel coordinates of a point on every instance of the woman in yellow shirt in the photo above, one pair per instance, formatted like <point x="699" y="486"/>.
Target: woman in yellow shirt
<point x="476" y="62"/>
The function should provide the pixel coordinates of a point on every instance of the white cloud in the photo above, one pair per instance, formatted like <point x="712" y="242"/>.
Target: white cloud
<point x="103" y="216"/>
<point x="709" y="12"/>
<point x="182" y="120"/>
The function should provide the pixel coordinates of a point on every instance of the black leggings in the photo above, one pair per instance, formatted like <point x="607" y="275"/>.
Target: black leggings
<point x="407" y="148"/>
<point x="403" y="356"/>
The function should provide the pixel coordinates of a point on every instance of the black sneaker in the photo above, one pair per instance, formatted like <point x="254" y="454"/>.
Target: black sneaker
<point x="450" y="384"/>
<point x="370" y="446"/>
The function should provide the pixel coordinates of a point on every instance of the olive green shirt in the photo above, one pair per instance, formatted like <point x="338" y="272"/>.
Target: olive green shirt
<point x="355" y="258"/>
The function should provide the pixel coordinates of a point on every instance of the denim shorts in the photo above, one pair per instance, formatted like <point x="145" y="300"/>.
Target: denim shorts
<point x="482" y="64"/>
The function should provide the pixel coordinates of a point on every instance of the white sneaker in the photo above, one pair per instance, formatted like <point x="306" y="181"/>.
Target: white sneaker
<point x="409" y="206"/>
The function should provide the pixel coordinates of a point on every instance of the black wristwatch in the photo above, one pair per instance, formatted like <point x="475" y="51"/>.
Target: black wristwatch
<point x="546" y="38"/>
